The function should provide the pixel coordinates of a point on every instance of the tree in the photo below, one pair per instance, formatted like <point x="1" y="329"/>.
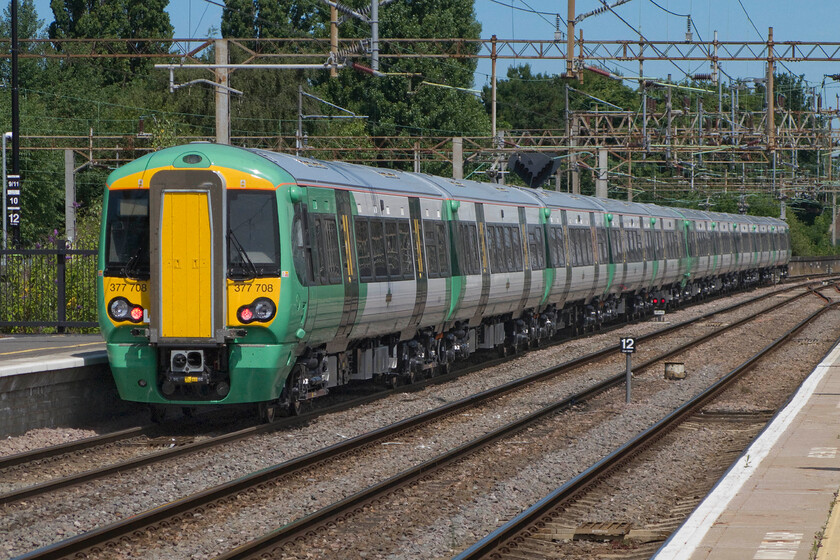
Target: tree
<point x="114" y="19"/>
<point x="29" y="27"/>
<point x="405" y="101"/>
<point x="239" y="19"/>
<point x="538" y="101"/>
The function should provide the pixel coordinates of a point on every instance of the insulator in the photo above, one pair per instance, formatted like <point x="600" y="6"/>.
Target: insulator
<point x="702" y="77"/>
<point x="344" y="9"/>
<point x="355" y="49"/>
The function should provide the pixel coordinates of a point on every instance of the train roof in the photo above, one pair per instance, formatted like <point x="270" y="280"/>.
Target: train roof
<point x="664" y="211"/>
<point x="556" y="199"/>
<point x="315" y="172"/>
<point x="475" y="191"/>
<point x="622" y="206"/>
<point x="305" y="171"/>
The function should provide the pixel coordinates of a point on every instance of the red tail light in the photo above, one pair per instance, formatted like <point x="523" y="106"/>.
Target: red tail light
<point x="246" y="315"/>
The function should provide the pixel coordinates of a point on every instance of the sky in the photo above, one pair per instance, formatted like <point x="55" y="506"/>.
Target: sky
<point x="734" y="20"/>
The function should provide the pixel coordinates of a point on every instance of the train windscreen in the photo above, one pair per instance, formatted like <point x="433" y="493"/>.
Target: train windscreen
<point x="127" y="234"/>
<point x="253" y="234"/>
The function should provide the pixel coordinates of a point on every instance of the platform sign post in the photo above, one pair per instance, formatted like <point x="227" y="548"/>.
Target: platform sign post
<point x="13" y="216"/>
<point x="628" y="347"/>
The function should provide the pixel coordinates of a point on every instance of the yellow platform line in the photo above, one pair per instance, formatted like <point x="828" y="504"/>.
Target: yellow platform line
<point x="50" y="348"/>
<point x="829" y="546"/>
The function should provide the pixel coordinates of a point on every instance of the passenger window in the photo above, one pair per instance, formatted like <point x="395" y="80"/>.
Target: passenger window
<point x="508" y="249"/>
<point x="474" y="246"/>
<point x="443" y="249"/>
<point x="516" y="246"/>
<point x="318" y="251"/>
<point x="377" y="247"/>
<point x="363" y="249"/>
<point x="536" y="247"/>
<point x="431" y="250"/>
<point x="393" y="250"/>
<point x="406" y="252"/>
<point x="617" y="249"/>
<point x="559" y="247"/>
<point x="301" y="250"/>
<point x="493" y="249"/>
<point x="331" y="251"/>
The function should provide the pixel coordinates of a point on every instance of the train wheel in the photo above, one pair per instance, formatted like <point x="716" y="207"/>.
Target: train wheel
<point x="267" y="412"/>
<point x="290" y="402"/>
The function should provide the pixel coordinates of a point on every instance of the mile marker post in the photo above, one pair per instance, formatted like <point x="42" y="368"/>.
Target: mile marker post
<point x="628" y="346"/>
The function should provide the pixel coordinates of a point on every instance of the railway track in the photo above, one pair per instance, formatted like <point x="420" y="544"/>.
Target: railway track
<point x="184" y="509"/>
<point x="25" y="475"/>
<point x="552" y="519"/>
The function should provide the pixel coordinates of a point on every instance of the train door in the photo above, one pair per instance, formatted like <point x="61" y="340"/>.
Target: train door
<point x="484" y="257"/>
<point x="349" y="264"/>
<point x="187" y="256"/>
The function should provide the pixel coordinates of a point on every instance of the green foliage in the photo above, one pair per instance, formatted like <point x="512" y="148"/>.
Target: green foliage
<point x="165" y="134"/>
<point x="538" y="101"/>
<point x="29" y="284"/>
<point x="120" y="19"/>
<point x="811" y="240"/>
<point x="28" y="28"/>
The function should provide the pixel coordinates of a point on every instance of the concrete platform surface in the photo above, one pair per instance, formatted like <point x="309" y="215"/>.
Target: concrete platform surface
<point x="774" y="502"/>
<point x="27" y="353"/>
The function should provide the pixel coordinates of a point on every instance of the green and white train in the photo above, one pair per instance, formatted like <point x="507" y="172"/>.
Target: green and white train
<point x="231" y="275"/>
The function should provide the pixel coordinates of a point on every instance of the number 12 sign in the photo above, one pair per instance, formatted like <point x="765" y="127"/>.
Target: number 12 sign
<point x="628" y="345"/>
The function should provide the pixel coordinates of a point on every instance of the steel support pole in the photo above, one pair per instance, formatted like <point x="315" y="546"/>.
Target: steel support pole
<point x="629" y="378"/>
<point x="458" y="157"/>
<point x="5" y="185"/>
<point x="493" y="89"/>
<point x="570" y="39"/>
<point x="334" y="39"/>
<point x="222" y="94"/>
<point x="374" y="35"/>
<point x="16" y="241"/>
<point x="601" y="185"/>
<point x="299" y="133"/>
<point x="771" y="102"/>
<point x="69" y="197"/>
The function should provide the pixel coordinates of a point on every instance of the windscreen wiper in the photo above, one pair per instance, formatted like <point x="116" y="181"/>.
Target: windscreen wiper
<point x="243" y="255"/>
<point x="129" y="269"/>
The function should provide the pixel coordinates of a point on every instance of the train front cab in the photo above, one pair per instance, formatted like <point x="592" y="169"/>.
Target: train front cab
<point x="190" y="290"/>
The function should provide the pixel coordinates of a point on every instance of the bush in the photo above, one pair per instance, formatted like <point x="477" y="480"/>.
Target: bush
<point x="29" y="283"/>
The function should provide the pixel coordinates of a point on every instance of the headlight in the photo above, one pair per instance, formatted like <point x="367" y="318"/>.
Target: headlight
<point x="262" y="310"/>
<point x="120" y="309"/>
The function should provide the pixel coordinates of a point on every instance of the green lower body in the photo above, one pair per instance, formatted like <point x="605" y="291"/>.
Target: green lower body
<point x="257" y="373"/>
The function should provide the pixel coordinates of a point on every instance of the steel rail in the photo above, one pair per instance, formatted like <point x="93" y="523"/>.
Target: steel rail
<point x="97" y="538"/>
<point x="166" y="454"/>
<point x="502" y="537"/>
<point x="88" y="443"/>
<point x="296" y="529"/>
<point x="71" y="447"/>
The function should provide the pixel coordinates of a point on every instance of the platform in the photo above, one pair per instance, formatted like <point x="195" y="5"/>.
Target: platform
<point x="774" y="501"/>
<point x="28" y="353"/>
<point x="48" y="381"/>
